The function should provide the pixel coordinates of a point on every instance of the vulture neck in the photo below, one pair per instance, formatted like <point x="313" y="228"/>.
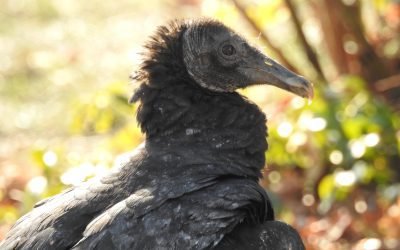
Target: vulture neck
<point x="180" y="117"/>
<point x="176" y="113"/>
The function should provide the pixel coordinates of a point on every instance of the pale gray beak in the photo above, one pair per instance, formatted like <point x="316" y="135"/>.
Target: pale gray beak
<point x="264" y="70"/>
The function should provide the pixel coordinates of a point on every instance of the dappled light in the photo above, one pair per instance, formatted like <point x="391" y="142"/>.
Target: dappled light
<point x="333" y="163"/>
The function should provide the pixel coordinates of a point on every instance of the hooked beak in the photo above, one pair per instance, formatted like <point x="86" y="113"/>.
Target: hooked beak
<point x="266" y="71"/>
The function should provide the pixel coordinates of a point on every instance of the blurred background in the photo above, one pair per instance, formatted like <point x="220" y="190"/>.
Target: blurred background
<point x="333" y="167"/>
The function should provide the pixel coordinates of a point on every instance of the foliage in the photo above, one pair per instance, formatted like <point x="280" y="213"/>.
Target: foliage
<point x="332" y="164"/>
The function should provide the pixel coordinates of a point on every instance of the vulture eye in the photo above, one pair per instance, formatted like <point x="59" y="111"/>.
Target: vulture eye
<point x="228" y="50"/>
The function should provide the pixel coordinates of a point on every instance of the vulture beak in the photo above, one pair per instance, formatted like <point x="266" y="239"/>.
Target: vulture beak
<point x="264" y="70"/>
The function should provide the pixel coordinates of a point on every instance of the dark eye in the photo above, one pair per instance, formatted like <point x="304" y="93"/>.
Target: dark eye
<point x="228" y="50"/>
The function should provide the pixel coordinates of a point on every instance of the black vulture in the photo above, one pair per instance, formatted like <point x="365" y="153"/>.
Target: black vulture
<point x="193" y="184"/>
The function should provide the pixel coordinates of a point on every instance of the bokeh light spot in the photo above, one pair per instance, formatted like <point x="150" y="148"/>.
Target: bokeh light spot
<point x="345" y="178"/>
<point x="394" y="211"/>
<point x="317" y="124"/>
<point x="357" y="148"/>
<point x="78" y="174"/>
<point x="37" y="185"/>
<point x="50" y="158"/>
<point x="299" y="138"/>
<point x="297" y="102"/>
<point x="372" y="244"/>
<point x="351" y="47"/>
<point x="308" y="200"/>
<point x="336" y="157"/>
<point x="371" y="140"/>
<point x="285" y="129"/>
<point x="360" y="206"/>
<point x="274" y="177"/>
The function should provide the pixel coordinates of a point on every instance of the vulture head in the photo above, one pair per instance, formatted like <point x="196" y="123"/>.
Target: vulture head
<point x="220" y="60"/>
<point x="188" y="59"/>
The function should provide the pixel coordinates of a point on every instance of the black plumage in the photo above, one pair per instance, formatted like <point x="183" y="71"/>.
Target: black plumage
<point x="193" y="184"/>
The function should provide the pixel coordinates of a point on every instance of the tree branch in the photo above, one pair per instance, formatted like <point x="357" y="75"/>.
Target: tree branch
<point x="279" y="55"/>
<point x="311" y="55"/>
<point x="373" y="67"/>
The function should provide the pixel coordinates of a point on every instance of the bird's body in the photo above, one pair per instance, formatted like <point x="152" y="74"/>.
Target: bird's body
<point x="193" y="184"/>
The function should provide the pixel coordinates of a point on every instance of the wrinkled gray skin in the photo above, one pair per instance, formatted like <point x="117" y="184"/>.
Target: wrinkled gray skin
<point x="193" y="184"/>
<point x="245" y="67"/>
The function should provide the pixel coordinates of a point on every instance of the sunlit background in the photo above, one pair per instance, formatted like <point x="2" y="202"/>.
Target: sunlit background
<point x="333" y="166"/>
